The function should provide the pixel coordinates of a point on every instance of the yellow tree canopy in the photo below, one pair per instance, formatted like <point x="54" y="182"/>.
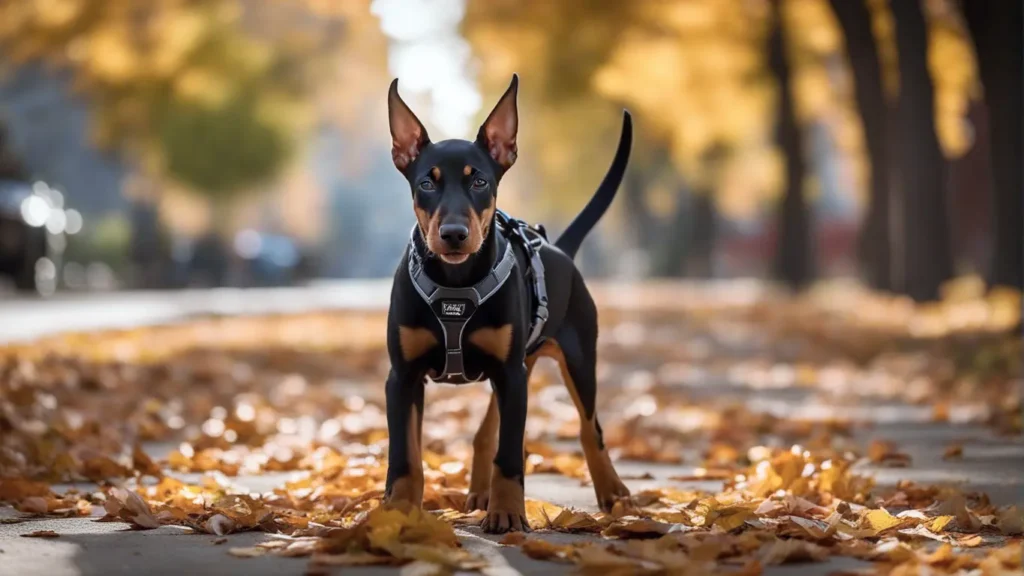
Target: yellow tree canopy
<point x="695" y="73"/>
<point x="151" y="66"/>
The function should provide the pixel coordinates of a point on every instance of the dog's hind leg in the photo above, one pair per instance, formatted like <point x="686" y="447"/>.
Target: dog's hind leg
<point x="575" y="349"/>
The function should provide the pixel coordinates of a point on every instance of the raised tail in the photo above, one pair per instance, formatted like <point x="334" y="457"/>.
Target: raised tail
<point x="570" y="240"/>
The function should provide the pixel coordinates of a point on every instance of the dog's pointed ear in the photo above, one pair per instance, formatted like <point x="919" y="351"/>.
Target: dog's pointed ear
<point x="498" y="133"/>
<point x="408" y="136"/>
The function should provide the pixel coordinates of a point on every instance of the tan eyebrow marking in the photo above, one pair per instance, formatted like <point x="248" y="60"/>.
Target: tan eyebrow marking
<point x="436" y="173"/>
<point x="467" y="170"/>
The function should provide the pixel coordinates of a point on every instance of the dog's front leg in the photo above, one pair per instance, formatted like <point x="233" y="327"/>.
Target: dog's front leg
<point x="506" y="509"/>
<point x="404" y="397"/>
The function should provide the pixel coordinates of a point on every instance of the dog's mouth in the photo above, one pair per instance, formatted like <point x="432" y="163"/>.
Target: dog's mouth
<point x="453" y="257"/>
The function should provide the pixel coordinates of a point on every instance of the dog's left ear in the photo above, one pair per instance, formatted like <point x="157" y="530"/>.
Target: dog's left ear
<point x="498" y="133"/>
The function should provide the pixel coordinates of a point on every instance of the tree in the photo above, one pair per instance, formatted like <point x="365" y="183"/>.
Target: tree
<point x="793" y="261"/>
<point x="10" y="167"/>
<point x="926" y="258"/>
<point x="151" y="68"/>
<point x="995" y="27"/>
<point x="862" y="50"/>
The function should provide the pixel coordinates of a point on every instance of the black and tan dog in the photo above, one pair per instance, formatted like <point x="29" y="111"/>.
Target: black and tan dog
<point x="457" y="243"/>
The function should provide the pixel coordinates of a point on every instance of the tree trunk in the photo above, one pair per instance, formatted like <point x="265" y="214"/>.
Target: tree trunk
<point x="995" y="27"/>
<point x="793" y="262"/>
<point x="668" y="257"/>
<point x="703" y="228"/>
<point x="642" y="225"/>
<point x="10" y="167"/>
<point x="862" y="50"/>
<point x="926" y="259"/>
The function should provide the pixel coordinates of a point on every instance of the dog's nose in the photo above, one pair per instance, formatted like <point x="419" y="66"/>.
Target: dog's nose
<point x="454" y="234"/>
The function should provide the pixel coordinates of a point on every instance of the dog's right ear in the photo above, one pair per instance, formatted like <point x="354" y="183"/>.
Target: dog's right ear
<point x="408" y="136"/>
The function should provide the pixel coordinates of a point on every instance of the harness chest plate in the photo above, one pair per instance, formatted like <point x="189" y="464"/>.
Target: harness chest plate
<point x="454" y="307"/>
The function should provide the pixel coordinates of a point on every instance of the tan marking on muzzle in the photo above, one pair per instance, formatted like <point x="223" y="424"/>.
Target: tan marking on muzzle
<point x="479" y="227"/>
<point x="430" y="225"/>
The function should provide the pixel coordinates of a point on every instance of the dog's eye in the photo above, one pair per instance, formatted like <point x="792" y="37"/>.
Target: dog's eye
<point x="479" y="183"/>
<point x="427" y="185"/>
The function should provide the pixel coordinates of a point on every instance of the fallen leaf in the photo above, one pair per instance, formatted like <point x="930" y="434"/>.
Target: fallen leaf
<point x="793" y="552"/>
<point x="130" y="507"/>
<point x="544" y="550"/>
<point x="219" y="524"/>
<point x="884" y="453"/>
<point x="513" y="539"/>
<point x="41" y="534"/>
<point x="352" y="559"/>
<point x="636" y="528"/>
<point x="969" y="541"/>
<point x="939" y="523"/>
<point x="1010" y="521"/>
<point x="880" y="520"/>
<point x="953" y="452"/>
<point x="249" y="552"/>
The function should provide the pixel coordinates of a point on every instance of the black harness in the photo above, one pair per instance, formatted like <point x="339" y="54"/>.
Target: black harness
<point x="454" y="307"/>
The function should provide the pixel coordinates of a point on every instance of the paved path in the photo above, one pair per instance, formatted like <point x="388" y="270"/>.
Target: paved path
<point x="85" y="547"/>
<point x="89" y="548"/>
<point x="27" y="318"/>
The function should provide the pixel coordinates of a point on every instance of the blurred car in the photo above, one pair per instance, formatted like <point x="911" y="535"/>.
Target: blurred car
<point x="22" y="244"/>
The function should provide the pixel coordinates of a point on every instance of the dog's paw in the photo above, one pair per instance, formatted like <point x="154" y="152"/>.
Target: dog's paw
<point x="506" y="507"/>
<point x="615" y="493"/>
<point x="478" y="500"/>
<point x="405" y="494"/>
<point x="501" y="521"/>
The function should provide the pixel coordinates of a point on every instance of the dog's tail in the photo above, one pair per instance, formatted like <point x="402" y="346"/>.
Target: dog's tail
<point x="570" y="240"/>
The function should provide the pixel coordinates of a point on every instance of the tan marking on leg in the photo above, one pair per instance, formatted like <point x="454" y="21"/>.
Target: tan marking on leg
<point x="467" y="170"/>
<point x="435" y="173"/>
<point x="485" y="446"/>
<point x="607" y="485"/>
<point x="506" y="510"/>
<point x="407" y="491"/>
<point x="495" y="341"/>
<point x="415" y="342"/>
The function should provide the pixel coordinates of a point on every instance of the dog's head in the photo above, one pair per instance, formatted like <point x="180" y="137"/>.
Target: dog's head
<point x="454" y="183"/>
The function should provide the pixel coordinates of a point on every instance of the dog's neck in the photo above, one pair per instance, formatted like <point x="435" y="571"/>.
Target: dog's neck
<point x="466" y="274"/>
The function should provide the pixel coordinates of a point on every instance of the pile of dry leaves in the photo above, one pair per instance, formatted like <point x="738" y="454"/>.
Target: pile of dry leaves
<point x="249" y="396"/>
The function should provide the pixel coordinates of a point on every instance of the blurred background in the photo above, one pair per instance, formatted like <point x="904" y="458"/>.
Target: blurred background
<point x="166" y="144"/>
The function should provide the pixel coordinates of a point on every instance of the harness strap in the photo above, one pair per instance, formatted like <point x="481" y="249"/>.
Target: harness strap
<point x="453" y="307"/>
<point x="532" y="239"/>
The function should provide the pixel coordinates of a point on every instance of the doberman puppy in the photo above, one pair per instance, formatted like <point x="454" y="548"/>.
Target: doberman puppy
<point x="457" y="242"/>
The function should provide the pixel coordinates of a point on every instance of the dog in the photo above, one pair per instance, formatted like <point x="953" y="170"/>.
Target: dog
<point x="462" y="302"/>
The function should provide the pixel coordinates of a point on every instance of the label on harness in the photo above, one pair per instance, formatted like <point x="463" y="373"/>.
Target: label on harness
<point x="453" y="309"/>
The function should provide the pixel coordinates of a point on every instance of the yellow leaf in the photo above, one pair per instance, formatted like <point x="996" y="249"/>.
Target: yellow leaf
<point x="939" y="522"/>
<point x="251" y="552"/>
<point x="880" y="520"/>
